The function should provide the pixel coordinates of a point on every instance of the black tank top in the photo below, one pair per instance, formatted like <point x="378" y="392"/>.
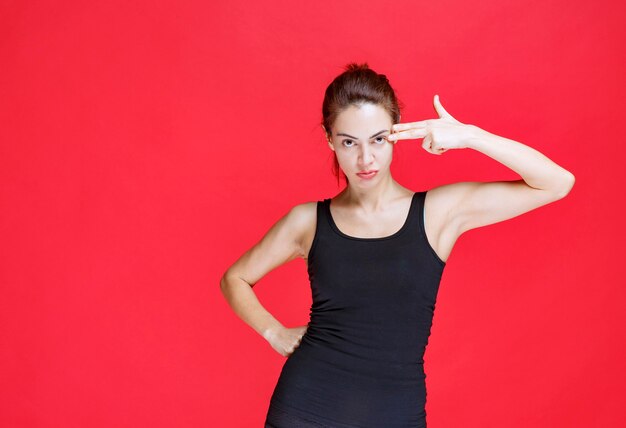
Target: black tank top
<point x="360" y="362"/>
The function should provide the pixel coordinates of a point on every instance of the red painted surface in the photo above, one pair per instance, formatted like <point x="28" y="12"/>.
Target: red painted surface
<point x="131" y="136"/>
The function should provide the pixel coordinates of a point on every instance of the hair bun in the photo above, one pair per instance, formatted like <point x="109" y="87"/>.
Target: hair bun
<point x="353" y="66"/>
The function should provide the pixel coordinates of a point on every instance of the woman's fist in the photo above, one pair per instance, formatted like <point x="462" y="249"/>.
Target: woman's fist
<point x="286" y="340"/>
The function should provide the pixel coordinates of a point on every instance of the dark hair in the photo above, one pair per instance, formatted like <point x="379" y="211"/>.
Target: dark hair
<point x="357" y="85"/>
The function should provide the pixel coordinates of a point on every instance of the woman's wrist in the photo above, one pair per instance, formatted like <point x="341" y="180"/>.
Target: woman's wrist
<point x="476" y="136"/>
<point x="272" y="330"/>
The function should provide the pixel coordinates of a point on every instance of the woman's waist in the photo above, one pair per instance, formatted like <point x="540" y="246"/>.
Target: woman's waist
<point x="363" y="358"/>
<point x="373" y="345"/>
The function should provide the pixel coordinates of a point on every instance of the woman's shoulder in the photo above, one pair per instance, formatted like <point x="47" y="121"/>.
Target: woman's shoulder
<point x="304" y="212"/>
<point x="303" y="218"/>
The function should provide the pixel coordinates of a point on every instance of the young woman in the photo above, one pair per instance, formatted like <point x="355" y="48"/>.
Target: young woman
<point x="375" y="254"/>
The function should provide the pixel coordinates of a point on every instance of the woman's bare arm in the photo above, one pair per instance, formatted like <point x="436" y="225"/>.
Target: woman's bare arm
<point x="469" y="205"/>
<point x="281" y="244"/>
<point x="477" y="204"/>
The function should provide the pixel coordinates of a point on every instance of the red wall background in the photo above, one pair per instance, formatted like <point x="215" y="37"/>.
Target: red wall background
<point x="146" y="145"/>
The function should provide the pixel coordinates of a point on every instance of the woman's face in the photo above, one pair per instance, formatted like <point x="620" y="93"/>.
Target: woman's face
<point x="359" y="141"/>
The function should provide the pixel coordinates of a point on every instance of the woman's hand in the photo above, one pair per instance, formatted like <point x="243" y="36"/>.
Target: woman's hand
<point x="286" y="340"/>
<point x="439" y="134"/>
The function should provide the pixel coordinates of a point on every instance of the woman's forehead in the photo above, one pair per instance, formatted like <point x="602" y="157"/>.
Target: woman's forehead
<point x="366" y="120"/>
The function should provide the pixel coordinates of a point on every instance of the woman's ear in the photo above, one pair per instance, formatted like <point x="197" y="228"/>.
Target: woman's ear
<point x="325" y="131"/>
<point x="330" y="144"/>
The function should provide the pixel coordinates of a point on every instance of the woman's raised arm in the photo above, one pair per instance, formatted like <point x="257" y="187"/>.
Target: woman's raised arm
<point x="468" y="205"/>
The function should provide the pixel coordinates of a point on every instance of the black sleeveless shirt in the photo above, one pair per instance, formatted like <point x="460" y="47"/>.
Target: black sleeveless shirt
<point x="360" y="362"/>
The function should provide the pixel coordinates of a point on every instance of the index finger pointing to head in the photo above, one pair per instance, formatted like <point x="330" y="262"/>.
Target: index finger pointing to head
<point x="408" y="134"/>
<point x="410" y="125"/>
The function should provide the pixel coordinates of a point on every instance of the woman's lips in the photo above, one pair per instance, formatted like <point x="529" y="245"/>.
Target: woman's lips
<point x="367" y="175"/>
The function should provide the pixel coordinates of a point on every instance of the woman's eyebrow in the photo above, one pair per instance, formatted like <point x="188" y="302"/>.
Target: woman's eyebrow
<point x="379" y="132"/>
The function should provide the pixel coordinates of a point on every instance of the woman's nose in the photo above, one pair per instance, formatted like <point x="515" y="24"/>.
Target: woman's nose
<point x="366" y="155"/>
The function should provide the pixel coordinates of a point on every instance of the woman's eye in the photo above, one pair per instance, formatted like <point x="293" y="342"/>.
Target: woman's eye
<point x="381" y="140"/>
